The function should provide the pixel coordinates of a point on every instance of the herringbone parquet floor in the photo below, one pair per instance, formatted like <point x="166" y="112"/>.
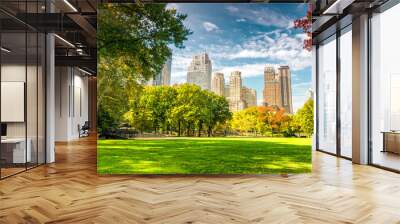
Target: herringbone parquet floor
<point x="70" y="191"/>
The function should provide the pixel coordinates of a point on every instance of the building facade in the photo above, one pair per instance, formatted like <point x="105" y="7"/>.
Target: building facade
<point x="286" y="88"/>
<point x="226" y="91"/>
<point x="249" y="96"/>
<point x="240" y="97"/>
<point x="166" y="73"/>
<point x="199" y="71"/>
<point x="272" y="87"/>
<point x="278" y="88"/>
<point x="236" y="102"/>
<point x="164" y="77"/>
<point x="218" y="84"/>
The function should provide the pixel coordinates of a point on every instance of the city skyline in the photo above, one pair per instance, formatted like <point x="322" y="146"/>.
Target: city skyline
<point x="236" y="40"/>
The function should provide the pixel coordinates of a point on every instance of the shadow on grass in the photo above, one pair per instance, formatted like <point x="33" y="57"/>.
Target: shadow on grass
<point x="205" y="156"/>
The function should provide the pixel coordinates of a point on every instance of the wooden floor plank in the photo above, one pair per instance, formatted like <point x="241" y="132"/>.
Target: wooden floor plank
<point x="70" y="191"/>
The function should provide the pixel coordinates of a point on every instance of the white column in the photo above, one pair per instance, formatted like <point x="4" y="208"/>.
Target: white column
<point x="360" y="90"/>
<point x="50" y="99"/>
<point x="314" y="89"/>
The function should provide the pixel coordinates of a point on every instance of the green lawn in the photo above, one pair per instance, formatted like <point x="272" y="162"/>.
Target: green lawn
<point x="204" y="156"/>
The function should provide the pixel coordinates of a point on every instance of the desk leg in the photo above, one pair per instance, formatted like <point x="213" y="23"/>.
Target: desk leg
<point x="384" y="142"/>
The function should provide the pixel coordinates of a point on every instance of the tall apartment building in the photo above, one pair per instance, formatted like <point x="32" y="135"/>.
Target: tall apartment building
<point x="286" y="88"/>
<point x="236" y="102"/>
<point x="249" y="96"/>
<point x="226" y="91"/>
<point x="164" y="77"/>
<point x="278" y="88"/>
<point x="199" y="71"/>
<point x="218" y="84"/>
<point x="166" y="73"/>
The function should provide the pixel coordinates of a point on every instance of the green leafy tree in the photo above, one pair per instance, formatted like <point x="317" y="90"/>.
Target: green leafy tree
<point x="304" y="118"/>
<point x="216" y="111"/>
<point x="132" y="46"/>
<point x="187" y="110"/>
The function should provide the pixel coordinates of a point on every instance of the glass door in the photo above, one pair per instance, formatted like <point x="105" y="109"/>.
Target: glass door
<point x="327" y="96"/>
<point x="385" y="89"/>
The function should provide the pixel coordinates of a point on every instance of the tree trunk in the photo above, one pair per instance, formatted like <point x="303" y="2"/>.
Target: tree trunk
<point x="209" y="131"/>
<point x="200" y="127"/>
<point x="179" y="128"/>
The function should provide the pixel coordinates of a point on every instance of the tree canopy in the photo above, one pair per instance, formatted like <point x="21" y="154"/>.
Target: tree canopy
<point x="180" y="108"/>
<point x="268" y="120"/>
<point x="133" y="43"/>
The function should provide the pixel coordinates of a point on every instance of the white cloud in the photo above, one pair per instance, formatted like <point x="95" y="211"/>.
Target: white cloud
<point x="262" y="16"/>
<point x="277" y="46"/>
<point x="172" y="6"/>
<point x="260" y="101"/>
<point x="302" y="85"/>
<point x="209" y="27"/>
<point x="232" y="9"/>
<point x="241" y="20"/>
<point x="247" y="70"/>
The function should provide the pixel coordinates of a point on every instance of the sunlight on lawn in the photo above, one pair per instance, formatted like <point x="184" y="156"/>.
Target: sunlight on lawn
<point x="205" y="156"/>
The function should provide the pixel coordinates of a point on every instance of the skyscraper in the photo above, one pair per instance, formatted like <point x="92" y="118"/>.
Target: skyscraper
<point x="199" y="71"/>
<point x="218" y="84"/>
<point x="166" y="73"/>
<point x="236" y="102"/>
<point x="272" y="88"/>
<point x="286" y="88"/>
<point x="164" y="77"/>
<point x="235" y="86"/>
<point x="226" y="91"/>
<point x="249" y="96"/>
<point x="278" y="88"/>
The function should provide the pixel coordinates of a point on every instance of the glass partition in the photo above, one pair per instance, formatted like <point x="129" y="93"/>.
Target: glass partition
<point x="22" y="77"/>
<point x="31" y="98"/>
<point x="14" y="153"/>
<point x="327" y="96"/>
<point x="385" y="89"/>
<point x="346" y="93"/>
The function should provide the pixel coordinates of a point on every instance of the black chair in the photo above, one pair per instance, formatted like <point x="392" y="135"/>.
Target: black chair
<point x="84" y="130"/>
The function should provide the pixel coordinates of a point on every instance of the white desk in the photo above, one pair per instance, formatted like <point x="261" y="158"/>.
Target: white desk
<point x="19" y="155"/>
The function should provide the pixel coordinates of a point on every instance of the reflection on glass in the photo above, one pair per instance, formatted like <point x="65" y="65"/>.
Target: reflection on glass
<point x="327" y="96"/>
<point x="385" y="85"/>
<point x="31" y="99"/>
<point x="41" y="99"/>
<point x="15" y="151"/>
<point x="346" y="94"/>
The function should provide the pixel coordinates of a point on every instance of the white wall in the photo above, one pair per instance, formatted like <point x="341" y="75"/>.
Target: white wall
<point x="71" y="94"/>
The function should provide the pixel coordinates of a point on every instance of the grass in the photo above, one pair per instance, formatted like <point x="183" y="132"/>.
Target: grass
<point x="204" y="156"/>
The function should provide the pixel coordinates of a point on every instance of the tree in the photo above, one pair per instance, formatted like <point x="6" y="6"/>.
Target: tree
<point x="246" y="120"/>
<point x="215" y="111"/>
<point x="132" y="46"/>
<point x="138" y="35"/>
<point x="305" y="117"/>
<point x="187" y="109"/>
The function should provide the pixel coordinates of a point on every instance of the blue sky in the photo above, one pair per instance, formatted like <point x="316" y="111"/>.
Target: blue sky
<point x="246" y="37"/>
